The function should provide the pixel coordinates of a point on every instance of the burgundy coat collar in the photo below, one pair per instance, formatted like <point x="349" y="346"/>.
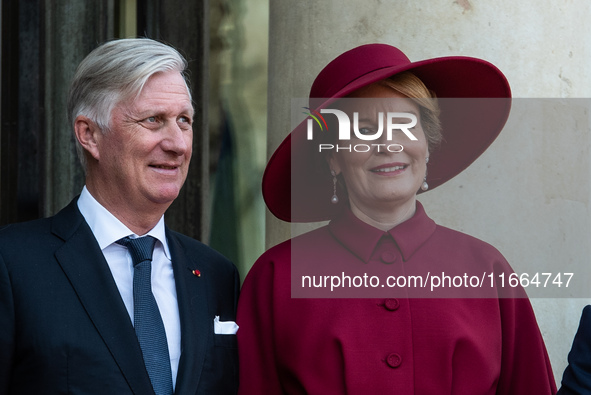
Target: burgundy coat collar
<point x="361" y="238"/>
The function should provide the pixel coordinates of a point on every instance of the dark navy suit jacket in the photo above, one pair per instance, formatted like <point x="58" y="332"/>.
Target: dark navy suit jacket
<point x="64" y="327"/>
<point x="577" y="375"/>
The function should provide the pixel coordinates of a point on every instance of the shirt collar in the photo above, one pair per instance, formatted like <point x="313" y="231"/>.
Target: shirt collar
<point x="361" y="238"/>
<point x="107" y="229"/>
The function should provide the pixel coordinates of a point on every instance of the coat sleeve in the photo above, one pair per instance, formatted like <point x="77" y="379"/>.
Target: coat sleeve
<point x="525" y="366"/>
<point x="577" y="375"/>
<point x="256" y="336"/>
<point x="6" y="328"/>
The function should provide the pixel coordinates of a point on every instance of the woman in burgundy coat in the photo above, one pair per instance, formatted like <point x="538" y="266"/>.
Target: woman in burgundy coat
<point x="382" y="300"/>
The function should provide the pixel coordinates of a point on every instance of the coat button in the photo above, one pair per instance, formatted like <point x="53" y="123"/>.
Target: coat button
<point x="394" y="360"/>
<point x="392" y="304"/>
<point x="387" y="257"/>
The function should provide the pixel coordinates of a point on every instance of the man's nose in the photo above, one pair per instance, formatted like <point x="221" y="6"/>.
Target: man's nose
<point x="177" y="139"/>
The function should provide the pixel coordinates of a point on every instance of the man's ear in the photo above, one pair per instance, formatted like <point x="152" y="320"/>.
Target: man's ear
<point x="88" y="135"/>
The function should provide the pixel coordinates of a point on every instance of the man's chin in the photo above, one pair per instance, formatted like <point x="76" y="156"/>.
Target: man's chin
<point x="165" y="197"/>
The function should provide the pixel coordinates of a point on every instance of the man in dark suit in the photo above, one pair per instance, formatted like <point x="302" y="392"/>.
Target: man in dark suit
<point x="577" y="375"/>
<point x="102" y="298"/>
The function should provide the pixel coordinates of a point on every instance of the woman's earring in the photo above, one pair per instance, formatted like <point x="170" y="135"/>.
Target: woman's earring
<point x="334" y="199"/>
<point x="424" y="185"/>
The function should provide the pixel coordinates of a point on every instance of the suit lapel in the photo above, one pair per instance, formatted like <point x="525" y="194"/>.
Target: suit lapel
<point x="194" y="316"/>
<point x="83" y="263"/>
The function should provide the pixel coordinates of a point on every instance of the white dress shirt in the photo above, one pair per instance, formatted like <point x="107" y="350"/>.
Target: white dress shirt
<point x="107" y="230"/>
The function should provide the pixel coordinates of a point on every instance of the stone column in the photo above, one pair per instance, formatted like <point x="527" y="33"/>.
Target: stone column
<point x="71" y="30"/>
<point x="512" y="196"/>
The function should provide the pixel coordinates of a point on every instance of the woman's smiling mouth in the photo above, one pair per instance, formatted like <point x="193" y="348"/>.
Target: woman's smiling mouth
<point x="389" y="168"/>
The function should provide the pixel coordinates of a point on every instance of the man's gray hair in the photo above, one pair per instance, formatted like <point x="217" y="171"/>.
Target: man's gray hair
<point x="114" y="72"/>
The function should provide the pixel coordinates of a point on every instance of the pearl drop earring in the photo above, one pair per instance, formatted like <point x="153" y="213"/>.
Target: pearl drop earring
<point x="334" y="199"/>
<point x="424" y="185"/>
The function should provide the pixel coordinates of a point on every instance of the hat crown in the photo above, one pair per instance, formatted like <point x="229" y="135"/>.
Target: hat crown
<point x="353" y="64"/>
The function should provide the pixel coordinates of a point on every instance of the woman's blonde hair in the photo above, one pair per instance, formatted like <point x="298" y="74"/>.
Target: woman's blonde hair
<point x="412" y="87"/>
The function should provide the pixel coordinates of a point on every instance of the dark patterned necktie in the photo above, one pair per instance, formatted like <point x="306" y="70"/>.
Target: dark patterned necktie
<point x="147" y="321"/>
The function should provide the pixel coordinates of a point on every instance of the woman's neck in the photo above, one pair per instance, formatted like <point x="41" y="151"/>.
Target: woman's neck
<point x="384" y="219"/>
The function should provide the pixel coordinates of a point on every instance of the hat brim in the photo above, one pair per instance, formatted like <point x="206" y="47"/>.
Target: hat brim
<point x="295" y="192"/>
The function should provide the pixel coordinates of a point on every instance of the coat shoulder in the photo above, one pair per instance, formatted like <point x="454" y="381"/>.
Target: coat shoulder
<point x="24" y="230"/>
<point x="27" y="239"/>
<point x="466" y="241"/>
<point x="277" y="259"/>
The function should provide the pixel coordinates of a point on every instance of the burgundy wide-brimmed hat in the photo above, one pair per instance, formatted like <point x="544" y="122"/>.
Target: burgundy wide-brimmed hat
<point x="296" y="191"/>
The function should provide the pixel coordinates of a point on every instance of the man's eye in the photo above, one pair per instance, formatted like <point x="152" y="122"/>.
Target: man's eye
<point x="151" y="119"/>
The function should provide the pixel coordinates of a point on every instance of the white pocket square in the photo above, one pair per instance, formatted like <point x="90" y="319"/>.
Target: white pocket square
<point x="224" y="327"/>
